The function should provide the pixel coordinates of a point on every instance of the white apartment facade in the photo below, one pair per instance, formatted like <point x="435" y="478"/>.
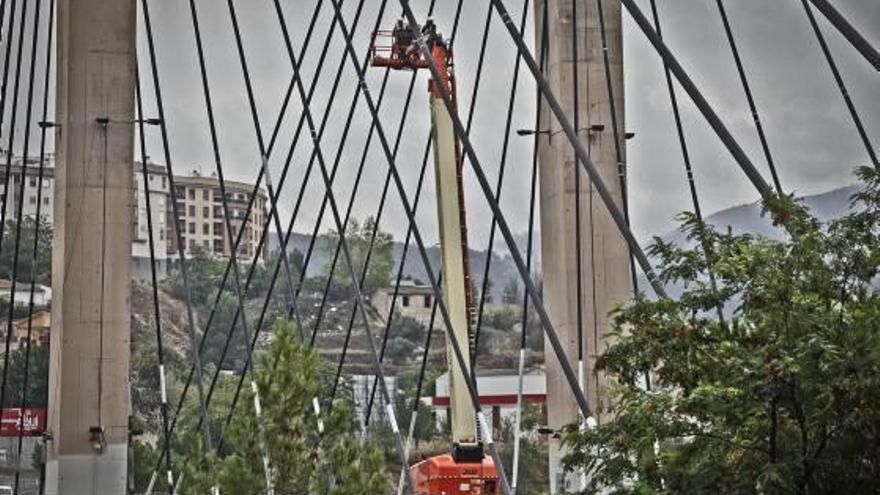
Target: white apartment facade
<point x="201" y="211"/>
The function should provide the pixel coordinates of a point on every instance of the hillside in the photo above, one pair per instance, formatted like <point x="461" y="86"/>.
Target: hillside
<point x="503" y="268"/>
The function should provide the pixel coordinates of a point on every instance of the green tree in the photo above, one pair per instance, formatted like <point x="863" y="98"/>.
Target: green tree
<point x="38" y="377"/>
<point x="26" y="253"/>
<point x="782" y="398"/>
<point x="358" y="236"/>
<point x="511" y="293"/>
<point x="204" y="272"/>
<point x="303" y="460"/>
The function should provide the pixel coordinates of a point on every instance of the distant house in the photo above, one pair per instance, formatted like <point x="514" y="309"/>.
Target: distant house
<point x="40" y="325"/>
<point x="413" y="300"/>
<point x="42" y="293"/>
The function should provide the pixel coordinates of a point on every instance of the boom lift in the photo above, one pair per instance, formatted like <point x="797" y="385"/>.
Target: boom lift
<point x="467" y="470"/>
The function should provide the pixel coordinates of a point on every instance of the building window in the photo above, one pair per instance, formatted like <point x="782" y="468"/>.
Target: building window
<point x="206" y="229"/>
<point x="161" y="234"/>
<point x="192" y="228"/>
<point x="192" y="210"/>
<point x="206" y="195"/>
<point x="192" y="244"/>
<point x="32" y="200"/>
<point x="206" y="212"/>
<point x="163" y="182"/>
<point x="46" y="201"/>
<point x="32" y="182"/>
<point x="405" y="301"/>
<point x="192" y="193"/>
<point x="206" y="244"/>
<point x="427" y="301"/>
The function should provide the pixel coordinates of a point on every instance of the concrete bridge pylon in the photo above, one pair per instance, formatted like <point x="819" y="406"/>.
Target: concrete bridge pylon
<point x="94" y="142"/>
<point x="604" y="256"/>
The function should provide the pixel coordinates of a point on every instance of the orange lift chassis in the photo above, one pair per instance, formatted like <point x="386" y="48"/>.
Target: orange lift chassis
<point x="467" y="470"/>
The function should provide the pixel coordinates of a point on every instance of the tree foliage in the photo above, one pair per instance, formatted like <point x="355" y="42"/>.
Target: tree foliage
<point x="358" y="237"/>
<point x="26" y="264"/>
<point x="37" y="377"/>
<point x="783" y="397"/>
<point x="303" y="460"/>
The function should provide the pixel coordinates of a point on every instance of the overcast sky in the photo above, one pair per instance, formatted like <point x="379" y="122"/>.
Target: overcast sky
<point x="813" y="139"/>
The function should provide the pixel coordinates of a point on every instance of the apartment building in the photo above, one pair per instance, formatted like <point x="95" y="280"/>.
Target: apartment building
<point x="140" y="234"/>
<point x="200" y="206"/>
<point x="29" y="170"/>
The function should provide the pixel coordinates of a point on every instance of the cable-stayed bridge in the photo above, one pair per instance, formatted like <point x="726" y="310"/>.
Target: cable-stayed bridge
<point x="324" y="121"/>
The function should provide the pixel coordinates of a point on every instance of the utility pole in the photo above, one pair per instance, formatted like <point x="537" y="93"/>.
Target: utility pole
<point x="89" y="356"/>
<point x="604" y="256"/>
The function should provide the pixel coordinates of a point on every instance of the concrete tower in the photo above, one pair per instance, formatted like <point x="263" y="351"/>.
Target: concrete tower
<point x="604" y="264"/>
<point x="89" y="362"/>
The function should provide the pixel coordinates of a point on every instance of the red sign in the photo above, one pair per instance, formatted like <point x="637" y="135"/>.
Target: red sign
<point x="33" y="423"/>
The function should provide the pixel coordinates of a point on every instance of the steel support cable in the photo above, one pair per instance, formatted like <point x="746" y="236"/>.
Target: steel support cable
<point x="265" y="230"/>
<point x="297" y="206"/>
<point x="481" y="59"/>
<point x="293" y="218"/>
<point x="399" y="278"/>
<point x="36" y="244"/>
<point x="387" y="184"/>
<point x="475" y="92"/>
<point x="373" y="234"/>
<point x="386" y="148"/>
<point x="323" y="208"/>
<point x="686" y="159"/>
<point x="255" y="191"/>
<point x="400" y="269"/>
<point x="533" y="193"/>
<point x="338" y="157"/>
<point x="256" y="188"/>
<point x="383" y="198"/>
<point x="18" y="224"/>
<point x="233" y="255"/>
<point x="9" y="155"/>
<point x="264" y="233"/>
<point x="359" y="300"/>
<point x="753" y="107"/>
<point x="838" y="79"/>
<point x="10" y="26"/>
<point x="181" y="248"/>
<point x="261" y="144"/>
<point x="571" y="134"/>
<point x="346" y="129"/>
<point x="487" y="191"/>
<point x="699" y="100"/>
<point x="296" y="287"/>
<point x="618" y="141"/>
<point x="578" y="243"/>
<point x="2" y="15"/>
<point x="430" y="329"/>
<point x="342" y="142"/>
<point x="849" y="32"/>
<point x="157" y="314"/>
